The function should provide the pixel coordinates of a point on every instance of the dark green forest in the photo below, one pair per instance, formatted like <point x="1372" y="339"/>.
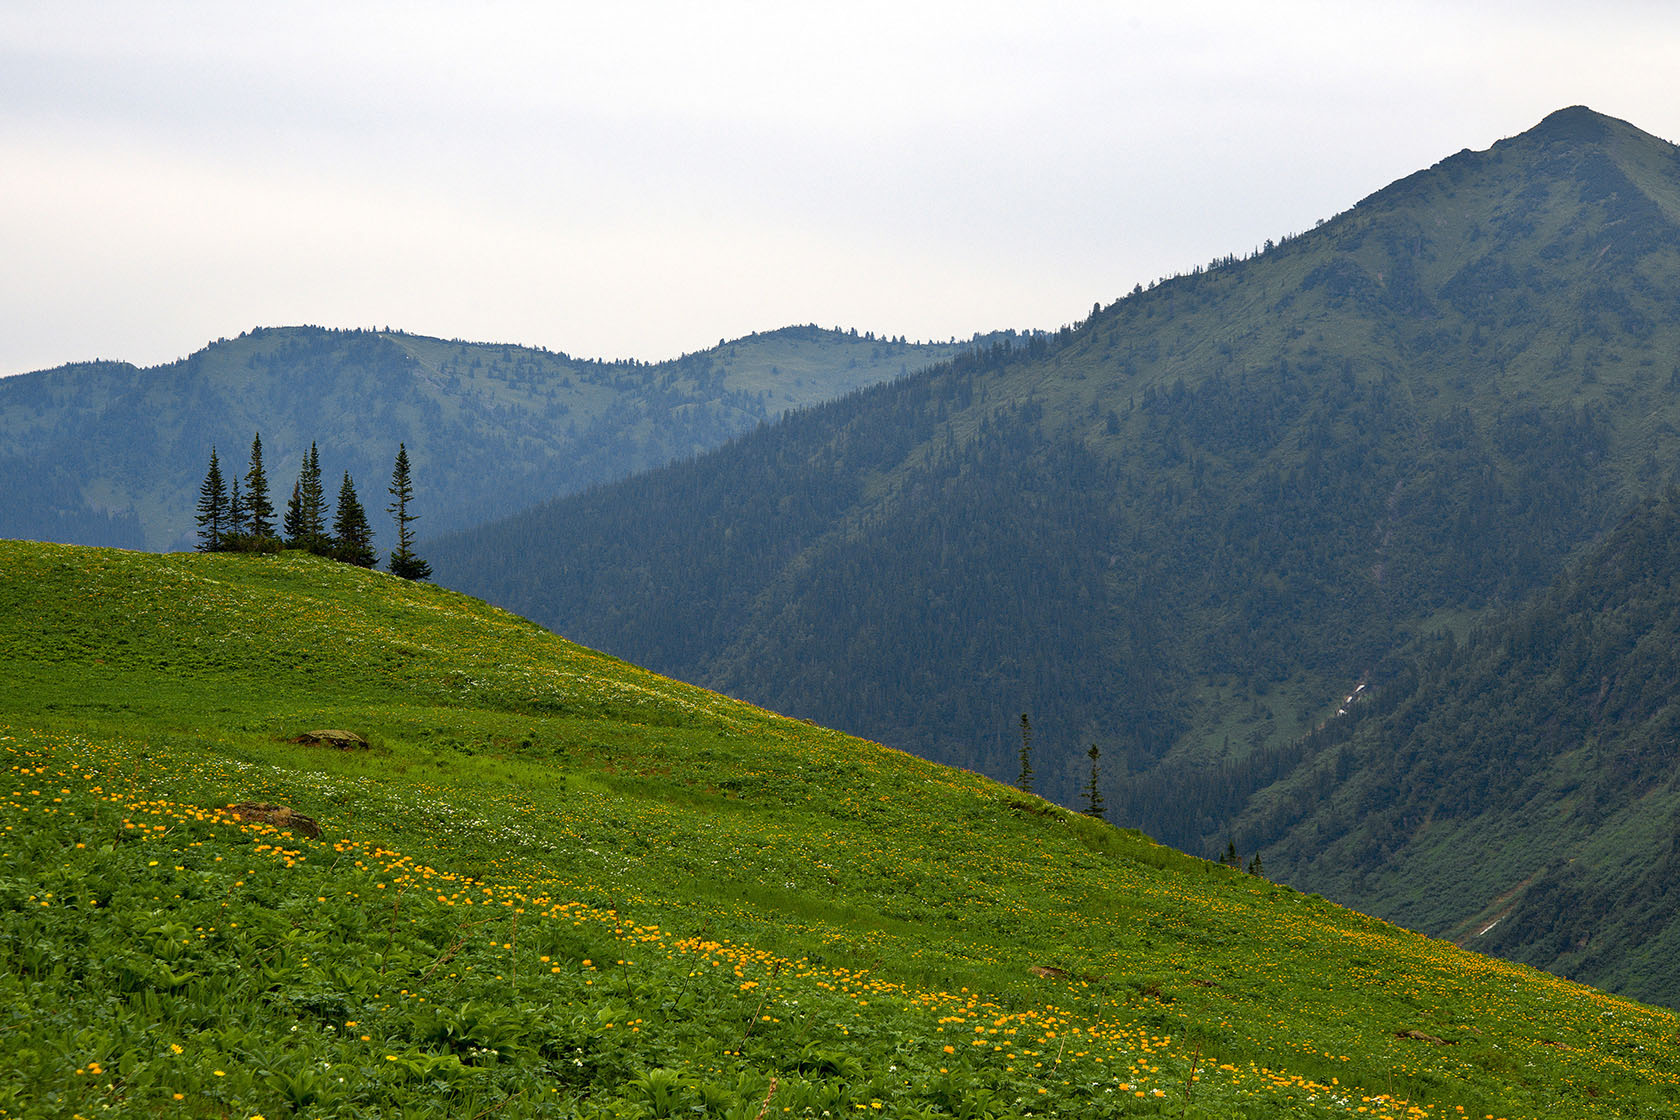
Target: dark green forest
<point x="1188" y="528"/>
<point x="1011" y="569"/>
<point x="1526" y="776"/>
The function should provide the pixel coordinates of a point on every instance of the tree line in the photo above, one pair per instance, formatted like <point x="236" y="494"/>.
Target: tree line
<point x="231" y="519"/>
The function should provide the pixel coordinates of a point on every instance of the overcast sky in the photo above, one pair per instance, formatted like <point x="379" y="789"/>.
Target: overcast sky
<point x="640" y="179"/>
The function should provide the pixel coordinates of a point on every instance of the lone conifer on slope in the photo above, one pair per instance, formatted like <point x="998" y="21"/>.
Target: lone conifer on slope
<point x="403" y="561"/>
<point x="1093" y="788"/>
<point x="1023" y="781"/>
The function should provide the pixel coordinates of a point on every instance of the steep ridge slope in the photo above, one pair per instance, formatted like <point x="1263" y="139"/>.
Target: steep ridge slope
<point x="1517" y="791"/>
<point x="106" y="453"/>
<point x="1184" y="530"/>
<point x="556" y="885"/>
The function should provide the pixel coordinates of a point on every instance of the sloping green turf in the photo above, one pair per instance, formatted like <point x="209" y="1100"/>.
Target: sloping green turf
<point x="557" y="885"/>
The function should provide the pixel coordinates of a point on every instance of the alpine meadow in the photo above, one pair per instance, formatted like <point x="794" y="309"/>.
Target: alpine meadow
<point x="1254" y="701"/>
<point x="287" y="837"/>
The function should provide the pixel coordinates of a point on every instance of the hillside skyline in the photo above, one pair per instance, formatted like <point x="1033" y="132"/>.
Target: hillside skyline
<point x="109" y="453"/>
<point x="683" y="175"/>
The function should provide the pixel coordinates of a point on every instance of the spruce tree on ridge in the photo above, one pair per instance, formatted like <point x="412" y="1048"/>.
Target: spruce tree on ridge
<point x="292" y="526"/>
<point x="306" y="515"/>
<point x="352" y="538"/>
<point x="1023" y="781"/>
<point x="236" y="517"/>
<point x="258" y="508"/>
<point x="315" y="505"/>
<point x="1093" y="788"/>
<point x="403" y="561"/>
<point x="212" y="507"/>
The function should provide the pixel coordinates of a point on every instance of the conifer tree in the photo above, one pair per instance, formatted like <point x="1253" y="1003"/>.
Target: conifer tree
<point x="293" y="524"/>
<point x="306" y="514"/>
<point x="403" y="561"/>
<point x="236" y="514"/>
<point x="1023" y="782"/>
<point x="314" y="505"/>
<point x="212" y="507"/>
<point x="352" y="538"/>
<point x="258" y="509"/>
<point x="1093" y="788"/>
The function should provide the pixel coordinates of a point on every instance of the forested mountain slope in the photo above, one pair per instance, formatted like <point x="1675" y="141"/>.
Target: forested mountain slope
<point x="1518" y="791"/>
<point x="1185" y="530"/>
<point x="107" y="453"/>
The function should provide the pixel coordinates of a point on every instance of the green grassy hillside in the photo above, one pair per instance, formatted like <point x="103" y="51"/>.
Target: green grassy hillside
<point x="556" y="885"/>
<point x="107" y="453"/>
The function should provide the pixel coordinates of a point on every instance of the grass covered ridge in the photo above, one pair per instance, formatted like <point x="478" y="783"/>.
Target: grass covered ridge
<point x="558" y="885"/>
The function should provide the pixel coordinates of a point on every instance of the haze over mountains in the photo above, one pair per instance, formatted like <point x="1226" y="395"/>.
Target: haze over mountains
<point x="1351" y="553"/>
<point x="1188" y="530"/>
<point x="108" y="453"/>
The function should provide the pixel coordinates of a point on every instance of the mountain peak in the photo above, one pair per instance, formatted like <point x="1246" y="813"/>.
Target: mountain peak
<point x="1580" y="125"/>
<point x="1576" y="124"/>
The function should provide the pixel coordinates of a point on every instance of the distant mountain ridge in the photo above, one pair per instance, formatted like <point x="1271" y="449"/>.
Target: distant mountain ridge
<point x="108" y="453"/>
<point x="1187" y="529"/>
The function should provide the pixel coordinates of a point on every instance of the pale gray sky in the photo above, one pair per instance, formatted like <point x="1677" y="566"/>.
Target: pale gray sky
<point x="641" y="178"/>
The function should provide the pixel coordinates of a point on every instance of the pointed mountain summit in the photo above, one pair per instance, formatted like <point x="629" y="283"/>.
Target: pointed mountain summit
<point x="1615" y="184"/>
<point x="1576" y="125"/>
<point x="1188" y="528"/>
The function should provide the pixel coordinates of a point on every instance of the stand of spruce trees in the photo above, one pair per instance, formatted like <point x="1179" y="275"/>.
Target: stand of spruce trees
<point x="235" y="520"/>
